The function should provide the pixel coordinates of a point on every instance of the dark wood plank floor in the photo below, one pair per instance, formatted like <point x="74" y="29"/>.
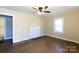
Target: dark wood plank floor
<point x="43" y="44"/>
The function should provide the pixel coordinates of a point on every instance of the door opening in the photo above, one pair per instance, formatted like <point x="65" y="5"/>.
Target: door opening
<point x="6" y="29"/>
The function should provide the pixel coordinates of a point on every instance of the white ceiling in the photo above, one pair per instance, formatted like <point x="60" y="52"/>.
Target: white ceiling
<point x="28" y="9"/>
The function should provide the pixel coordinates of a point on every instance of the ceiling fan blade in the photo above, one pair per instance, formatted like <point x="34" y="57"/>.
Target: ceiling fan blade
<point x="40" y="9"/>
<point x="46" y="7"/>
<point x="46" y="11"/>
<point x="34" y="8"/>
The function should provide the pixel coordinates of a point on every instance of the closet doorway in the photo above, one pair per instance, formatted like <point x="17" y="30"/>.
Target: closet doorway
<point x="6" y="29"/>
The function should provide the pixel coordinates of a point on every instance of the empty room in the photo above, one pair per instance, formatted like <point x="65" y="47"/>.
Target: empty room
<point x="39" y="29"/>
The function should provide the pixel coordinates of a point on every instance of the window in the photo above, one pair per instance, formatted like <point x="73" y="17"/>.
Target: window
<point x="58" y="25"/>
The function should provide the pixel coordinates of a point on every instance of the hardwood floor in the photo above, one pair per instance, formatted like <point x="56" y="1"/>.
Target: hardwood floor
<point x="43" y="44"/>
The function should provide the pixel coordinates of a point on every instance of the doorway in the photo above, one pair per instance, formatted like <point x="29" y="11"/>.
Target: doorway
<point x="6" y="29"/>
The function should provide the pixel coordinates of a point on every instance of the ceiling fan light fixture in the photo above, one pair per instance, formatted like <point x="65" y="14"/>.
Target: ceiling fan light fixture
<point x="39" y="13"/>
<point x="41" y="10"/>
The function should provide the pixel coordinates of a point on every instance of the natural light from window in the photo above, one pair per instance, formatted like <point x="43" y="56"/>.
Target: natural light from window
<point x="58" y="25"/>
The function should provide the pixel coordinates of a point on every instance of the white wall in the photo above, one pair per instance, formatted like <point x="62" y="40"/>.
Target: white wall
<point x="21" y="24"/>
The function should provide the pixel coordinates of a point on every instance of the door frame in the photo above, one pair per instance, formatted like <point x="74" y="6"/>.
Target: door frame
<point x="8" y="40"/>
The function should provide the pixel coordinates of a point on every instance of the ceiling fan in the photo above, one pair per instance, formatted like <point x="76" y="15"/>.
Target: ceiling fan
<point x="41" y="10"/>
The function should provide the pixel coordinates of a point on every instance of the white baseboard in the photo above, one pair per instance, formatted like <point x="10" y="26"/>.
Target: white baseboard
<point x="16" y="41"/>
<point x="64" y="38"/>
<point x="50" y="36"/>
